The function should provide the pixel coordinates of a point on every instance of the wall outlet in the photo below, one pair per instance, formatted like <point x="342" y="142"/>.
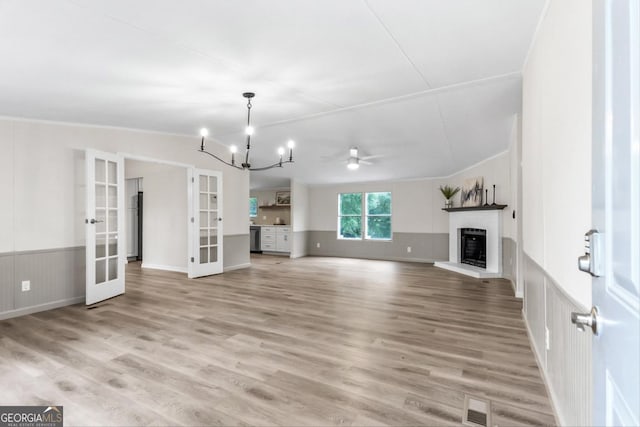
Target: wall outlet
<point x="264" y="217"/>
<point x="317" y="244"/>
<point x="547" y="338"/>
<point x="26" y="285"/>
<point x="408" y="249"/>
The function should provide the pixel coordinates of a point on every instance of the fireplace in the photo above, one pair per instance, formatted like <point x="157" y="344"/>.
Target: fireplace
<point x="483" y="238"/>
<point x="473" y="247"/>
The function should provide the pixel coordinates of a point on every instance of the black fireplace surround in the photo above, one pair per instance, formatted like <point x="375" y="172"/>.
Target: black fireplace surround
<point x="473" y="247"/>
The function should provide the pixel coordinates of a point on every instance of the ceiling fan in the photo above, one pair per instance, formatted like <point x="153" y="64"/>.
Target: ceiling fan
<point x="353" y="162"/>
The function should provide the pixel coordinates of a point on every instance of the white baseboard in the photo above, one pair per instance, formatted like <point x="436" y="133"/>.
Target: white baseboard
<point x="41" y="307"/>
<point x="164" y="267"/>
<point x="237" y="267"/>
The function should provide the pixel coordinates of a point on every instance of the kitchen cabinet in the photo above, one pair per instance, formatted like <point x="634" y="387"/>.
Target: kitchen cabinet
<point x="275" y="239"/>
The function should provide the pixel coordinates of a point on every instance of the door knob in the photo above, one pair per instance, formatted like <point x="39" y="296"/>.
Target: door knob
<point x="586" y="320"/>
<point x="93" y="221"/>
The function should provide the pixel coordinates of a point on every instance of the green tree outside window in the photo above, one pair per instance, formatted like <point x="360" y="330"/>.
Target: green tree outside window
<point x="253" y="207"/>
<point x="373" y="211"/>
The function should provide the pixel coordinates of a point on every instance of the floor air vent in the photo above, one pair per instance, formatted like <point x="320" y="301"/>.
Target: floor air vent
<point x="476" y="412"/>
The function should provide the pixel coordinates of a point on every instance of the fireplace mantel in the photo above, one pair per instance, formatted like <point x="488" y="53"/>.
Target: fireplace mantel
<point x="476" y="208"/>
<point x="487" y="218"/>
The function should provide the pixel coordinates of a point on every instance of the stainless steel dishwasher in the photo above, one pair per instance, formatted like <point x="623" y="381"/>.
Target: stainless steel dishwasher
<point x="254" y="231"/>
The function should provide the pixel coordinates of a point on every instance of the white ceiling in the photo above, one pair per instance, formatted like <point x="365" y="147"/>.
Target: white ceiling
<point x="427" y="87"/>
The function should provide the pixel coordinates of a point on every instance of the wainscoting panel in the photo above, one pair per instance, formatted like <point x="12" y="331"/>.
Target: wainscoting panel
<point x="425" y="247"/>
<point x="568" y="359"/>
<point x="7" y="279"/>
<point x="299" y="244"/>
<point x="55" y="275"/>
<point x="567" y="363"/>
<point x="535" y="306"/>
<point x="236" y="250"/>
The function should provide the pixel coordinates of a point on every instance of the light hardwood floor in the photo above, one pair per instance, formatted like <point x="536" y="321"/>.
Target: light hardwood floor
<point x="313" y="341"/>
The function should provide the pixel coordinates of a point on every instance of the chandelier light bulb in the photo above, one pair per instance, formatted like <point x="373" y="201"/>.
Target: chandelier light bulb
<point x="204" y="132"/>
<point x="233" y="149"/>
<point x="280" y="151"/>
<point x="249" y="130"/>
<point x="291" y="144"/>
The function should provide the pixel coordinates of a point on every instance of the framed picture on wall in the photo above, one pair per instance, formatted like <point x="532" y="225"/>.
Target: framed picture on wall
<point x="283" y="198"/>
<point x="471" y="194"/>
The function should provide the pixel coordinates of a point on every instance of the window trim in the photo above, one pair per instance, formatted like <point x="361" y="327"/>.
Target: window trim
<point x="363" y="218"/>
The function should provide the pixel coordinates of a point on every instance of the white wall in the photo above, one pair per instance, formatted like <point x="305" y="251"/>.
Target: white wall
<point x="300" y="214"/>
<point x="556" y="193"/>
<point x="6" y="188"/>
<point x="557" y="145"/>
<point x="299" y="206"/>
<point x="417" y="204"/>
<point x="42" y="186"/>
<point x="164" y="209"/>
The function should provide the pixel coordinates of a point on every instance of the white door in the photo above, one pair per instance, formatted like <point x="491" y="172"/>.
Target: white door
<point x="616" y="212"/>
<point x="205" y="235"/>
<point x="105" y="252"/>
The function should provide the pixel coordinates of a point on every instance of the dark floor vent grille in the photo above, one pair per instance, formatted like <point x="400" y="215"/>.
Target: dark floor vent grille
<point x="476" y="412"/>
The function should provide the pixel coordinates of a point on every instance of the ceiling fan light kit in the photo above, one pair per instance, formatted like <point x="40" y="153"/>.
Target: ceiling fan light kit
<point x="353" y="163"/>
<point x="249" y="131"/>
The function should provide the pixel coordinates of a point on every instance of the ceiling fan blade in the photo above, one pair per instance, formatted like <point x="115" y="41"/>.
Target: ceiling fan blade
<point x="376" y="156"/>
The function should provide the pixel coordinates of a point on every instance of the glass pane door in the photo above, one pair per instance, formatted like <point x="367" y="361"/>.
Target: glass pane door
<point x="105" y="262"/>
<point x="207" y="223"/>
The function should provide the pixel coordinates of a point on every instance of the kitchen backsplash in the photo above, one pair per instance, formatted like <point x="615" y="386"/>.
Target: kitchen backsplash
<point x="268" y="216"/>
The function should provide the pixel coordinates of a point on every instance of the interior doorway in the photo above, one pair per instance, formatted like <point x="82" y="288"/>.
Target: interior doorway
<point x="157" y="207"/>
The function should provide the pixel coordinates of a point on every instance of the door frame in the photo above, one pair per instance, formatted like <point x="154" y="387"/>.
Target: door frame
<point x="188" y="167"/>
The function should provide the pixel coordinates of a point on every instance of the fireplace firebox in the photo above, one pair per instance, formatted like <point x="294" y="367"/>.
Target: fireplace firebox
<point x="473" y="247"/>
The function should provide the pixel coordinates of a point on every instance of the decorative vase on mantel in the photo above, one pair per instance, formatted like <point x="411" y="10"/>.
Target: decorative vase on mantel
<point x="448" y="192"/>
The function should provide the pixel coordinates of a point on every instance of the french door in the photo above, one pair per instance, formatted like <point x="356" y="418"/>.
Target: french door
<point x="205" y="236"/>
<point x="105" y="249"/>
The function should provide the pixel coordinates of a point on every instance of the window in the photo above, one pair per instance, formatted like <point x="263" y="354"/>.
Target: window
<point x="350" y="216"/>
<point x="253" y="207"/>
<point x="378" y="216"/>
<point x="371" y="213"/>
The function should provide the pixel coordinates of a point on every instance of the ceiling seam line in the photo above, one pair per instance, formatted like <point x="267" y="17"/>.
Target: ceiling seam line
<point x="444" y="129"/>
<point x="181" y="45"/>
<point x="434" y="91"/>
<point x="397" y="43"/>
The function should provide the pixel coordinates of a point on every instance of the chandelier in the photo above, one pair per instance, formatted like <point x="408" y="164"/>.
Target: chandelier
<point x="246" y="165"/>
